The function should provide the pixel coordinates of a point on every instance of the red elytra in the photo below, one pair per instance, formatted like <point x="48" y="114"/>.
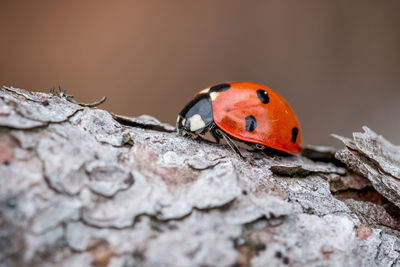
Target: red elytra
<point x="277" y="125"/>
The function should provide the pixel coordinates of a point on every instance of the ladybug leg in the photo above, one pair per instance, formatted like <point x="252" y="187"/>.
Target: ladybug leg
<point x="216" y="137"/>
<point x="209" y="134"/>
<point x="232" y="145"/>
<point x="193" y="135"/>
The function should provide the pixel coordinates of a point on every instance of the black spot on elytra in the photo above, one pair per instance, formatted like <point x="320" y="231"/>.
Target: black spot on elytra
<point x="295" y="132"/>
<point x="263" y="96"/>
<point x="278" y="254"/>
<point x="45" y="103"/>
<point x="220" y="88"/>
<point x="251" y="123"/>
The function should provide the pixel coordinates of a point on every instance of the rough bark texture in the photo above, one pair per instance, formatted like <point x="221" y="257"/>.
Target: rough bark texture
<point x="80" y="186"/>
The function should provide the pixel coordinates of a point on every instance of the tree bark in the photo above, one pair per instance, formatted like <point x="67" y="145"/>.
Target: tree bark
<point x="80" y="186"/>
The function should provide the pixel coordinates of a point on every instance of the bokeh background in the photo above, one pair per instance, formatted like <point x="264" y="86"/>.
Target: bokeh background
<point x="336" y="62"/>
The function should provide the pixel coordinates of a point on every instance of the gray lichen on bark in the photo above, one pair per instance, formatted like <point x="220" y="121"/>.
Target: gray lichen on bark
<point x="81" y="186"/>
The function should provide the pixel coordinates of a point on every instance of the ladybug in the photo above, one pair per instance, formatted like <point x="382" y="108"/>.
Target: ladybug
<point x="244" y="113"/>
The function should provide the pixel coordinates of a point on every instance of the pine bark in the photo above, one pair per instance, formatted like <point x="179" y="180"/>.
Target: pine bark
<point x="80" y="186"/>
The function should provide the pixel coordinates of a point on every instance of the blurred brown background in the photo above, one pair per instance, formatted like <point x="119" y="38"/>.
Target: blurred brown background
<point x="336" y="62"/>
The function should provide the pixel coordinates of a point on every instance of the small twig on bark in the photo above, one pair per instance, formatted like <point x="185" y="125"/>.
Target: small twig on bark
<point x="61" y="93"/>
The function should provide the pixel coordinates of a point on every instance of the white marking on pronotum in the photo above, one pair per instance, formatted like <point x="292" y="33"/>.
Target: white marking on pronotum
<point x="213" y="95"/>
<point x="196" y="122"/>
<point x="204" y="91"/>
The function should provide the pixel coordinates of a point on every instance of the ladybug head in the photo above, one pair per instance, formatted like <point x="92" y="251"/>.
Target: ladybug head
<point x="196" y="116"/>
